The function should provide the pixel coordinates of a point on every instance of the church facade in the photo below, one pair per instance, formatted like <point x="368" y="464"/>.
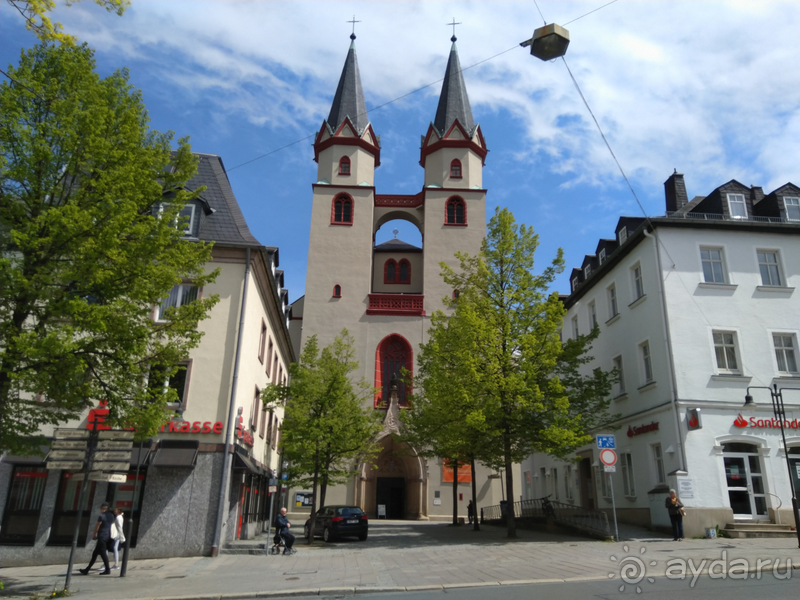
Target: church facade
<point x="384" y="294"/>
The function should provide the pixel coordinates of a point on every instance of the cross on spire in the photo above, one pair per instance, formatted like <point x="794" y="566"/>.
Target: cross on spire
<point x="452" y="39"/>
<point x="353" y="35"/>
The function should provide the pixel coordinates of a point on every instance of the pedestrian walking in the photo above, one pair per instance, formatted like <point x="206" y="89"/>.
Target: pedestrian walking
<point x="117" y="535"/>
<point x="676" y="513"/>
<point x="102" y="533"/>
<point x="283" y="525"/>
<point x="470" y="511"/>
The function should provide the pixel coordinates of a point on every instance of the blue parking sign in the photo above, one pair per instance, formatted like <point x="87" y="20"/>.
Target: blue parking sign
<point x="606" y="441"/>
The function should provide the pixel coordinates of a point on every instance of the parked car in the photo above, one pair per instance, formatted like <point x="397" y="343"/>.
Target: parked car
<point x="339" y="521"/>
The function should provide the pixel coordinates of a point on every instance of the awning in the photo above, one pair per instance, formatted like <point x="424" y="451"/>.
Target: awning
<point x="244" y="463"/>
<point x="176" y="453"/>
<point x="27" y="460"/>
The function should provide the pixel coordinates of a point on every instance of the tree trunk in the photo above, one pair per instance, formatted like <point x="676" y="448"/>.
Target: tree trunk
<point x="314" y="497"/>
<point x="323" y="488"/>
<point x="475" y="525"/>
<point x="455" y="491"/>
<point x="512" y="524"/>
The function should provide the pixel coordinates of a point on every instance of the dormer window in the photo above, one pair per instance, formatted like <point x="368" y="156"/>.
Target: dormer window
<point x="623" y="235"/>
<point x="344" y="166"/>
<point x="342" y="210"/>
<point x="574" y="283"/>
<point x="736" y="206"/>
<point x="455" y="169"/>
<point x="455" y="212"/>
<point x="587" y="271"/>
<point x="185" y="218"/>
<point x="792" y="206"/>
<point x="602" y="256"/>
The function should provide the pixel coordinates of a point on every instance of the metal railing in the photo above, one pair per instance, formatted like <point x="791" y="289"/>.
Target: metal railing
<point x="721" y="217"/>
<point x="585" y="519"/>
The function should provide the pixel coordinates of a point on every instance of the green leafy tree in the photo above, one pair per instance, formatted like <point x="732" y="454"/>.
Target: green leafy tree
<point x="326" y="431"/>
<point x="525" y="390"/>
<point x="35" y="13"/>
<point x="89" y="249"/>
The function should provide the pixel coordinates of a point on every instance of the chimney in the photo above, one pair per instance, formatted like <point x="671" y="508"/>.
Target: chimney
<point x="675" y="192"/>
<point x="756" y="194"/>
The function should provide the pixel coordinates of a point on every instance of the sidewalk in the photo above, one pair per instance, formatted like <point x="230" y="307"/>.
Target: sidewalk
<point x="401" y="556"/>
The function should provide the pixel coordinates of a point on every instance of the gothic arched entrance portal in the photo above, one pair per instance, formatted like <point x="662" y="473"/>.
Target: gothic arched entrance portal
<point x="396" y="480"/>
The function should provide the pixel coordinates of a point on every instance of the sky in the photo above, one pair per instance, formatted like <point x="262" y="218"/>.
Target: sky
<point x="709" y="88"/>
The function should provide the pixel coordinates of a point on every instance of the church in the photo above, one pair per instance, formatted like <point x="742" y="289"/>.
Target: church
<point x="385" y="293"/>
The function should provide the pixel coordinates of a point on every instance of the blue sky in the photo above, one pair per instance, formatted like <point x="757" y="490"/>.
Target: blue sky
<point x="711" y="88"/>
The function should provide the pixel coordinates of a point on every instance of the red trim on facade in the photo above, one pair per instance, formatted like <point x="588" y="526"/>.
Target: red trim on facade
<point x="408" y="364"/>
<point x="320" y="145"/>
<point x="396" y="277"/>
<point x="337" y="291"/>
<point x="344" y="162"/>
<point x="343" y="197"/>
<point x="406" y="201"/>
<point x="455" y="169"/>
<point x="455" y="201"/>
<point x="402" y="305"/>
<point x="428" y="147"/>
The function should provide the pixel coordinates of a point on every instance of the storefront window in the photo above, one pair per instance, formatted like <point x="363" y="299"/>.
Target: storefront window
<point x="67" y="510"/>
<point x="745" y="481"/>
<point x="21" y="516"/>
<point x="121" y="495"/>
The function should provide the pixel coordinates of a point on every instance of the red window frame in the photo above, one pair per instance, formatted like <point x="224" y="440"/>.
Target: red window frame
<point x="337" y="291"/>
<point x="345" y="200"/>
<point x="344" y="166"/>
<point x="396" y="269"/>
<point x="455" y="202"/>
<point x="455" y="169"/>
<point x="392" y="349"/>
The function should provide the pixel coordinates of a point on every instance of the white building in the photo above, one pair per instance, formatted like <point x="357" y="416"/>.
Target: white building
<point x="693" y="307"/>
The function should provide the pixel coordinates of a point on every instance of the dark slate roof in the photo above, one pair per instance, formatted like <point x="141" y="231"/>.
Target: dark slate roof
<point x="396" y="245"/>
<point x="226" y="224"/>
<point x="453" y="101"/>
<point x="349" y="98"/>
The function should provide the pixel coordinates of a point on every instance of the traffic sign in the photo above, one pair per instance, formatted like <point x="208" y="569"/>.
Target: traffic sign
<point x="68" y="444"/>
<point x="67" y="455"/>
<point x="115" y="434"/>
<point x="113" y="455"/>
<point x="608" y="457"/>
<point x="114" y="445"/>
<point x="110" y="477"/>
<point x="117" y="477"/>
<point x="71" y="434"/>
<point x="610" y="468"/>
<point x="65" y="465"/>
<point x="111" y="466"/>
<point x="606" y="441"/>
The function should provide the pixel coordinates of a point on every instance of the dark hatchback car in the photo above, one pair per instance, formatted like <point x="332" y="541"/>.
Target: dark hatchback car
<point x="339" y="521"/>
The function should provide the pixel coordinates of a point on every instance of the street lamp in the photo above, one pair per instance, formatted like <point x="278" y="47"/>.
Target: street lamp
<point x="779" y="411"/>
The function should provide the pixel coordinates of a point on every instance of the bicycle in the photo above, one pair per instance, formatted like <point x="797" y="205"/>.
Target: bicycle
<point x="547" y="507"/>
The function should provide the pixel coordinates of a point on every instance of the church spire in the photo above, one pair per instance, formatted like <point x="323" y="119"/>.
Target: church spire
<point x="453" y="101"/>
<point x="349" y="99"/>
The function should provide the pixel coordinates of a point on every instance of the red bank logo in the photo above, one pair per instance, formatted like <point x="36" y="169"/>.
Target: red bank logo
<point x="693" y="421"/>
<point x="740" y="422"/>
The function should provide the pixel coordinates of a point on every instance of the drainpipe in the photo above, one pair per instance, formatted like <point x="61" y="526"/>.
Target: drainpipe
<point x="664" y="320"/>
<point x="224" y="484"/>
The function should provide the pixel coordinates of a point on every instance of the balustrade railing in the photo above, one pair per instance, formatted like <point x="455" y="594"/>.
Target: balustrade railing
<point x="589" y="520"/>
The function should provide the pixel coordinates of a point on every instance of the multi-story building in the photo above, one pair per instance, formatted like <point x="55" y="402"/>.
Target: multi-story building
<point x="383" y="294"/>
<point x="186" y="473"/>
<point x="693" y="308"/>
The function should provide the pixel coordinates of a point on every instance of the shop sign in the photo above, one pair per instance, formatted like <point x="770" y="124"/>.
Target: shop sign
<point x="765" y="423"/>
<point x="694" y="419"/>
<point x="634" y="431"/>
<point x="192" y="427"/>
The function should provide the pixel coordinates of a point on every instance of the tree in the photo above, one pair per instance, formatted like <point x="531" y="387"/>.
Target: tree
<point x="525" y="389"/>
<point x="89" y="249"/>
<point x="326" y="430"/>
<point x="35" y="13"/>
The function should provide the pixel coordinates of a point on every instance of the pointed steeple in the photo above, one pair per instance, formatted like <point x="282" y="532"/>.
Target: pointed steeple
<point x="349" y="98"/>
<point x="453" y="101"/>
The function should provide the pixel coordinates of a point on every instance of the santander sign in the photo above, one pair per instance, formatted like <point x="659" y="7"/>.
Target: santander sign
<point x="765" y="423"/>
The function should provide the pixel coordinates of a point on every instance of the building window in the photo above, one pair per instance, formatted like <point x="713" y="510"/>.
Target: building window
<point x="647" y="364"/>
<point x="337" y="291"/>
<point x="638" y="284"/>
<point x="587" y="272"/>
<point x="621" y="374"/>
<point x="792" y="206"/>
<point x="592" y="314"/>
<point x="394" y="272"/>
<point x="158" y="383"/>
<point x="602" y="256"/>
<point x="658" y="461"/>
<point x="455" y="212"/>
<point x="713" y="271"/>
<point x="269" y="356"/>
<point x="392" y="356"/>
<point x="725" y="350"/>
<point x="185" y="219"/>
<point x="575" y="332"/>
<point x="24" y="504"/>
<point x="768" y="265"/>
<point x="574" y="283"/>
<point x="455" y="169"/>
<point x="263" y="423"/>
<point x="623" y="235"/>
<point x="344" y="166"/>
<point x="262" y="341"/>
<point x="456" y="294"/>
<point x="180" y="295"/>
<point x="342" y="210"/>
<point x="613" y="309"/>
<point x="68" y="511"/>
<point x="736" y="206"/>
<point x="784" y="352"/>
<point x="405" y="271"/>
<point x="568" y="492"/>
<point x="628" y="485"/>
<point x="255" y="410"/>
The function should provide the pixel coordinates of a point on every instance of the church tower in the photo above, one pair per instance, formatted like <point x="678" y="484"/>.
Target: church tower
<point x="383" y="294"/>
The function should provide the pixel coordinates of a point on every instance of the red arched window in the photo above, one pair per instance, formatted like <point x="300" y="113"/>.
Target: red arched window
<point x="389" y="271"/>
<point x="397" y="272"/>
<point x="456" y="294"/>
<point x="455" y="211"/>
<point x="392" y="355"/>
<point x="455" y="169"/>
<point x="342" y="210"/>
<point x="344" y="166"/>
<point x="337" y="291"/>
<point x="405" y="271"/>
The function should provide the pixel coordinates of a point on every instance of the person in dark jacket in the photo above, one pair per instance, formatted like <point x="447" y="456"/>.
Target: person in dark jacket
<point x="102" y="533"/>
<point x="283" y="525"/>
<point x="675" y="509"/>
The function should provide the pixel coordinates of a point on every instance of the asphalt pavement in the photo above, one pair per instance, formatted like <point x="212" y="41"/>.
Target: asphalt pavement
<point x="419" y="557"/>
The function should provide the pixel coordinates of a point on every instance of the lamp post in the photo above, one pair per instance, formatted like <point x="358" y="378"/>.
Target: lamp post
<point x="779" y="411"/>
